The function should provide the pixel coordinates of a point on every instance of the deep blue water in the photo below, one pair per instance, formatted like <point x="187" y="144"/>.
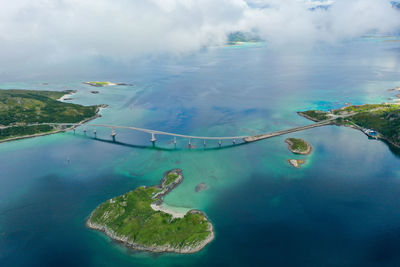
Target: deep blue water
<point x="340" y="209"/>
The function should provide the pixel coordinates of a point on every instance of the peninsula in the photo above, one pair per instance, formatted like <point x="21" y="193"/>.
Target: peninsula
<point x="24" y="113"/>
<point x="375" y="120"/>
<point x="138" y="220"/>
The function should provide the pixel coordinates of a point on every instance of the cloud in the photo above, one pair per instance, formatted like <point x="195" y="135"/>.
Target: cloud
<point x="56" y="31"/>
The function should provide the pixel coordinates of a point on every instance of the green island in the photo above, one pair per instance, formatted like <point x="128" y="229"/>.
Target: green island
<point x="375" y="120"/>
<point x="298" y="146"/>
<point x="237" y="38"/>
<point x="102" y="84"/>
<point x="136" y="220"/>
<point x="24" y="113"/>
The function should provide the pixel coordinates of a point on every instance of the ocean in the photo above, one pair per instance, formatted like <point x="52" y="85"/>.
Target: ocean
<point x="339" y="209"/>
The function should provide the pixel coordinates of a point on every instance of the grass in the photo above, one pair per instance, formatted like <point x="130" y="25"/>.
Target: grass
<point x="24" y="130"/>
<point x="316" y="115"/>
<point x="384" y="118"/>
<point x="298" y="145"/>
<point x="131" y="216"/>
<point x="99" y="84"/>
<point x="22" y="107"/>
<point x="171" y="177"/>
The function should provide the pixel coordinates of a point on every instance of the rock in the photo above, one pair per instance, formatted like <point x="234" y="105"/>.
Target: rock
<point x="296" y="162"/>
<point x="201" y="187"/>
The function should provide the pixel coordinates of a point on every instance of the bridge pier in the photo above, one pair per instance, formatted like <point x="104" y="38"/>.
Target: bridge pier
<point x="113" y="134"/>
<point x="153" y="138"/>
<point x="219" y="142"/>
<point x="234" y="141"/>
<point x="84" y="131"/>
<point x="204" y="142"/>
<point x="74" y="130"/>
<point x="190" y="143"/>
<point x="174" y="140"/>
<point x="95" y="133"/>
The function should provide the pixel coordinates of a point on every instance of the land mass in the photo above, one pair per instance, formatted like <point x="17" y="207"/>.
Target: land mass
<point x="298" y="146"/>
<point x="137" y="220"/>
<point x="375" y="120"/>
<point x="237" y="38"/>
<point x="102" y="84"/>
<point x="25" y="113"/>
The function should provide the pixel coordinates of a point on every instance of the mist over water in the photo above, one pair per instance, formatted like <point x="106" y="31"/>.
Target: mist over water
<point x="339" y="209"/>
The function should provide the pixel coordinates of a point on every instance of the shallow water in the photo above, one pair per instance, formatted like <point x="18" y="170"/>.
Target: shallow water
<point x="341" y="208"/>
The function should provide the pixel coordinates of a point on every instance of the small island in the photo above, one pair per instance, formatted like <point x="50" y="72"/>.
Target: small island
<point x="138" y="220"/>
<point x="296" y="162"/>
<point x="378" y="121"/>
<point x="298" y="146"/>
<point x="201" y="187"/>
<point x="30" y="113"/>
<point x="102" y="84"/>
<point x="239" y="38"/>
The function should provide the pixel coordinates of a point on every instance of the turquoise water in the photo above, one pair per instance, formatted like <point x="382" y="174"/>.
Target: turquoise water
<point x="341" y="208"/>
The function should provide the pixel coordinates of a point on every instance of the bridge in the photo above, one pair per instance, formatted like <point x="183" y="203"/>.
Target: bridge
<point x="234" y="139"/>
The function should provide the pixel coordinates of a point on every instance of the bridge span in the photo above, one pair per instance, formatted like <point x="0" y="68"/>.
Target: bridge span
<point x="154" y="133"/>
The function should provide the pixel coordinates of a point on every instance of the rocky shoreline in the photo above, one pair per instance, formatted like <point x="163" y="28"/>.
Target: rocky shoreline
<point x="157" y="249"/>
<point x="195" y="247"/>
<point x="290" y="147"/>
<point x="296" y="162"/>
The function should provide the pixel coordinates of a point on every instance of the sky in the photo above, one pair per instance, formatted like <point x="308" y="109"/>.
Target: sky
<point x="53" y="32"/>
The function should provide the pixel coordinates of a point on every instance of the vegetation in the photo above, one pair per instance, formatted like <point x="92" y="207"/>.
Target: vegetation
<point x="24" y="130"/>
<point x="19" y="108"/>
<point x="365" y="108"/>
<point x="315" y="115"/>
<point x="99" y="84"/>
<point x="238" y="37"/>
<point x="298" y="146"/>
<point x="170" y="178"/>
<point x="384" y="118"/>
<point x="130" y="217"/>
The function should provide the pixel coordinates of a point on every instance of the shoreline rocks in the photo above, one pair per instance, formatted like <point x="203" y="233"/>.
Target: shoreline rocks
<point x="296" y="162"/>
<point x="201" y="187"/>
<point x="165" y="189"/>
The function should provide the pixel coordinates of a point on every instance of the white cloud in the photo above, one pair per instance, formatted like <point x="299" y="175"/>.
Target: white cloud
<point x="54" y="31"/>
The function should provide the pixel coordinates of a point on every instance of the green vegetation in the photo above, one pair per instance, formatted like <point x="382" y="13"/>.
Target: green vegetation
<point x="298" y="146"/>
<point x="315" y="115"/>
<point x="384" y="118"/>
<point x="241" y="37"/>
<point x="365" y="108"/>
<point x="99" y="84"/>
<point x="24" y="130"/>
<point x="131" y="218"/>
<point x="171" y="177"/>
<point x="19" y="108"/>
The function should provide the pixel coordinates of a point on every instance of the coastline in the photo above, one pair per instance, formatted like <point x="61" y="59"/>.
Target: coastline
<point x="64" y="97"/>
<point x="55" y="131"/>
<point x="159" y="248"/>
<point x="290" y="144"/>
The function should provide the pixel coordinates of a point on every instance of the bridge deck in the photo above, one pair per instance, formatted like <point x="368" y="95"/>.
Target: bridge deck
<point x="244" y="138"/>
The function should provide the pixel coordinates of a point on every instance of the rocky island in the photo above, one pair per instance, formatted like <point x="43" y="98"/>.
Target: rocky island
<point x="138" y="220"/>
<point x="375" y="120"/>
<point x="298" y="146"/>
<point x="29" y="113"/>
<point x="296" y="162"/>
